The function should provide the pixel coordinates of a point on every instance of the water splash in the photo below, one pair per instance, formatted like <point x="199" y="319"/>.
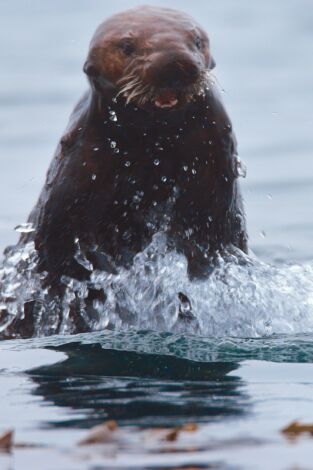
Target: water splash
<point x="243" y="297"/>
<point x="240" y="169"/>
<point x="20" y="283"/>
<point x="26" y="227"/>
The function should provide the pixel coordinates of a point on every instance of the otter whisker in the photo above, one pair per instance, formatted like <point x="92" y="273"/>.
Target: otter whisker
<point x="128" y="86"/>
<point x="147" y="95"/>
<point x="132" y="88"/>
<point x="137" y="92"/>
<point x="129" y="78"/>
<point x="130" y="82"/>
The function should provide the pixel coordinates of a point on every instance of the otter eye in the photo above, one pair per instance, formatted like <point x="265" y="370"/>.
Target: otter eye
<point x="127" y="47"/>
<point x="198" y="42"/>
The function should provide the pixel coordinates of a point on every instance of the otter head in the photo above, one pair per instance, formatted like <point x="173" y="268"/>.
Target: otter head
<point x="152" y="57"/>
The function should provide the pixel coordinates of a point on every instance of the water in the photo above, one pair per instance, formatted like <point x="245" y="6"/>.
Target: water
<point x="243" y="297"/>
<point x="55" y="388"/>
<point x="243" y="371"/>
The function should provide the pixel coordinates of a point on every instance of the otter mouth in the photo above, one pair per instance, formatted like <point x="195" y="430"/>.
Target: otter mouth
<point x="148" y="97"/>
<point x="166" y="99"/>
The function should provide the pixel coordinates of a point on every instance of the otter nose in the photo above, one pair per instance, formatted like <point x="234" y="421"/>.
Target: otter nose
<point x="174" y="71"/>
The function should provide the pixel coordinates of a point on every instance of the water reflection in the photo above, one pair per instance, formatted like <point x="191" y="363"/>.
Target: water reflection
<point x="97" y="384"/>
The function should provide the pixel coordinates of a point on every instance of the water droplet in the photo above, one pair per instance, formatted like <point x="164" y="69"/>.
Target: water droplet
<point x="269" y="196"/>
<point x="189" y="232"/>
<point x="156" y="162"/>
<point x="93" y="176"/>
<point x="154" y="203"/>
<point x="83" y="261"/>
<point x="241" y="169"/>
<point x="113" y="116"/>
<point x="263" y="234"/>
<point x="127" y="163"/>
<point x="164" y="179"/>
<point x="193" y="171"/>
<point x="185" y="167"/>
<point x="95" y="149"/>
<point x="113" y="144"/>
<point x="27" y="227"/>
<point x="136" y="198"/>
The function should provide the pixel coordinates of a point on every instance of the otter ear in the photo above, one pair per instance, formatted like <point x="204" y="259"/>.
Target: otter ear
<point x="90" y="69"/>
<point x="212" y="64"/>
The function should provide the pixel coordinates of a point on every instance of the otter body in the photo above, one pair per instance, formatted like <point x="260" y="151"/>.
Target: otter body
<point x="149" y="147"/>
<point x="117" y="179"/>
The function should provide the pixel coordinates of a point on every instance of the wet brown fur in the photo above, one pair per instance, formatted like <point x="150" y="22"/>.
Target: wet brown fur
<point x="105" y="188"/>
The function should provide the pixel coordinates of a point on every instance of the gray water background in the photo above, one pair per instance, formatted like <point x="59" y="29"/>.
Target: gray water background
<point x="263" y="52"/>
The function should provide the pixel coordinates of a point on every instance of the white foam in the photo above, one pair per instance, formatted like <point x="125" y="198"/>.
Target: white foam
<point x="243" y="297"/>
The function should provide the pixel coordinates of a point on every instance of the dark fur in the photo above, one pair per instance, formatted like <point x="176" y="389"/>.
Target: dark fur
<point x="193" y="192"/>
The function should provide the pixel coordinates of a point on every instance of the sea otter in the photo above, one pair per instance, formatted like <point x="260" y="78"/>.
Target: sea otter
<point x="148" y="148"/>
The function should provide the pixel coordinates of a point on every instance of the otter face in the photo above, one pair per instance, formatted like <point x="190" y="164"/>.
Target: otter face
<point x="155" y="58"/>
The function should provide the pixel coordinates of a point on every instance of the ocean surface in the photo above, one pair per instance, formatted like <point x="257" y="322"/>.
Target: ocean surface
<point x="248" y="373"/>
